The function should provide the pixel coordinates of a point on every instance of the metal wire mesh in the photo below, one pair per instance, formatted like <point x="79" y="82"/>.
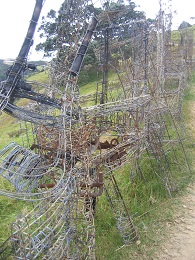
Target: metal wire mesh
<point x="69" y="151"/>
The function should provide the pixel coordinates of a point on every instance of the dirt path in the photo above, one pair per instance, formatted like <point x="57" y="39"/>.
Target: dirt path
<point x="180" y="244"/>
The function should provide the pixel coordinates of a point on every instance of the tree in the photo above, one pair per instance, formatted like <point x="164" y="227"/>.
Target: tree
<point x="61" y="30"/>
<point x="184" y="25"/>
<point x="48" y="30"/>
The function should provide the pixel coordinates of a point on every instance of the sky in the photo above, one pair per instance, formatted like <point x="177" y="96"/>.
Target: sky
<point x="15" y="17"/>
<point x="182" y="10"/>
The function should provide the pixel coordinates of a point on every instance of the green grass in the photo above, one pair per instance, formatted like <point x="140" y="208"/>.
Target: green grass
<point x="10" y="209"/>
<point x="91" y="87"/>
<point x="39" y="77"/>
<point x="8" y="124"/>
<point x="10" y="132"/>
<point x="145" y="195"/>
<point x="176" y="35"/>
<point x="147" y="199"/>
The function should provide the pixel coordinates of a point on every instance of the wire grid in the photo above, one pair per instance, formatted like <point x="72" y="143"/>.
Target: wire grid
<point x="65" y="160"/>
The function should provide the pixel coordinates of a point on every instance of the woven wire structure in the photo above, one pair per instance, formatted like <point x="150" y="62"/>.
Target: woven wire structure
<point x="71" y="144"/>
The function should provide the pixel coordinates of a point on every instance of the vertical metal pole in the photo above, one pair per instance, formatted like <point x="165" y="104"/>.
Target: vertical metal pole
<point x="105" y="68"/>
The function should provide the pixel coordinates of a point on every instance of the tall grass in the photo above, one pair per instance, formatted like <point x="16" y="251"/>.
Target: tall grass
<point x="145" y="195"/>
<point x="147" y="198"/>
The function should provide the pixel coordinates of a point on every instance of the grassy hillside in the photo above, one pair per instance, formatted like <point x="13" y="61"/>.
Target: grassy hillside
<point x="5" y="64"/>
<point x="10" y="132"/>
<point x="176" y="35"/>
<point x="147" y="198"/>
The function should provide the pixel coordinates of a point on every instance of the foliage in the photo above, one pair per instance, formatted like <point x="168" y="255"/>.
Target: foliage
<point x="62" y="32"/>
<point x="184" y="25"/>
<point x="145" y="196"/>
<point x="60" y="29"/>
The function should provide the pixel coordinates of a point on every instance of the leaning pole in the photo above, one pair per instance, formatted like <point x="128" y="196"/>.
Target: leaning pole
<point x="15" y="71"/>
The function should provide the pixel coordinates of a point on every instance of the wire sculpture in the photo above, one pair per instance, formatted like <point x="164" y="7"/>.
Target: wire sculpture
<point x="72" y="143"/>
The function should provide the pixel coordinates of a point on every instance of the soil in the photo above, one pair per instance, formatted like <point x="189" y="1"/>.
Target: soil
<point x="180" y="240"/>
<point x="180" y="243"/>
